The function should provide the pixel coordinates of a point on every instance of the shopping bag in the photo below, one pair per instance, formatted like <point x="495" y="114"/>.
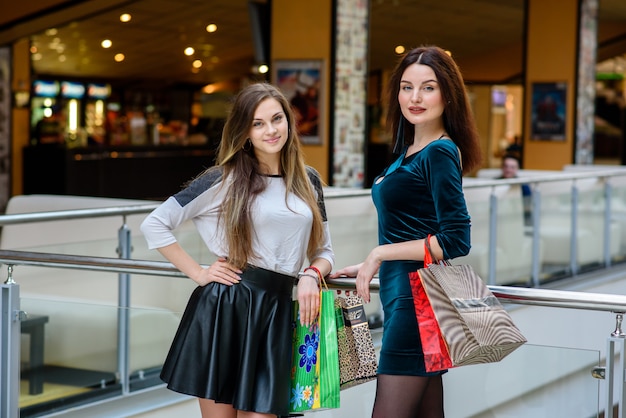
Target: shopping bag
<point x="357" y="357"/>
<point x="315" y="360"/>
<point x="473" y="324"/>
<point x="436" y="355"/>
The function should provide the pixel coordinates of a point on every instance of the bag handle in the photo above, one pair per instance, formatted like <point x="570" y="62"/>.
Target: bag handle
<point x="429" y="257"/>
<point x="323" y="285"/>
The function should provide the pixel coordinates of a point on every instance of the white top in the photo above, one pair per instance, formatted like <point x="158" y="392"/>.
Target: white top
<point x="281" y="229"/>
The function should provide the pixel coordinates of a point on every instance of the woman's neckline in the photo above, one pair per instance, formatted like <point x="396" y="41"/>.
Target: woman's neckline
<point x="443" y="136"/>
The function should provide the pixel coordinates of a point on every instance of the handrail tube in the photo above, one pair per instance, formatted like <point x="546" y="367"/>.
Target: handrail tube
<point x="517" y="295"/>
<point x="546" y="177"/>
<point x="59" y="215"/>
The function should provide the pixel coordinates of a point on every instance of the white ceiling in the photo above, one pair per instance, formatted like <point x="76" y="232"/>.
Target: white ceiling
<point x="154" y="40"/>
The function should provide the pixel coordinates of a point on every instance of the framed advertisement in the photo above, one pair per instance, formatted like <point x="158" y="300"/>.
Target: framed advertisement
<point x="301" y="81"/>
<point x="548" y="112"/>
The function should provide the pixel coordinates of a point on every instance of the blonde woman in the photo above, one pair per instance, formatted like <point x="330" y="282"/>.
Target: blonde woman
<point x="261" y="212"/>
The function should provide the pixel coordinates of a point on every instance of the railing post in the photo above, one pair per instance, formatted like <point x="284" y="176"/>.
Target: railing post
<point x="608" y="195"/>
<point x="536" y="216"/>
<point x="493" y="236"/>
<point x="123" y="315"/>
<point x="9" y="348"/>
<point x="615" y="378"/>
<point x="573" y="261"/>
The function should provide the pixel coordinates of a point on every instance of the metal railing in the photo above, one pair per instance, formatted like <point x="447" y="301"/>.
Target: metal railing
<point x="12" y="314"/>
<point x="125" y="267"/>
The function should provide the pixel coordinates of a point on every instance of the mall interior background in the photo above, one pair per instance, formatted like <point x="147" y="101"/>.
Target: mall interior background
<point x="70" y="92"/>
<point x="158" y="110"/>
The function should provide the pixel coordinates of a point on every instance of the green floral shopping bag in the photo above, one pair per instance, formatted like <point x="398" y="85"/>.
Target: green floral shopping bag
<point x="315" y="360"/>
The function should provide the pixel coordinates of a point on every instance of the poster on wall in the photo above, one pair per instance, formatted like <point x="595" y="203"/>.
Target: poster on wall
<point x="548" y="112"/>
<point x="5" y="128"/>
<point x="301" y="81"/>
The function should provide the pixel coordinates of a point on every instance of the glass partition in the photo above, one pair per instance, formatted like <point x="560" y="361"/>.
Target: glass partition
<point x="532" y="382"/>
<point x="68" y="354"/>
<point x="556" y="217"/>
<point x="618" y="211"/>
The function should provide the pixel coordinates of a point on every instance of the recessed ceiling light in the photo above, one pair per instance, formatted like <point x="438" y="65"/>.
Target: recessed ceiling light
<point x="196" y="64"/>
<point x="400" y="49"/>
<point x="106" y="43"/>
<point x="212" y="27"/>
<point x="119" y="57"/>
<point x="125" y="17"/>
<point x="189" y="51"/>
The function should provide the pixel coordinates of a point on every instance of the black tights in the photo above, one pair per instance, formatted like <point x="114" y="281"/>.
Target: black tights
<point x="408" y="397"/>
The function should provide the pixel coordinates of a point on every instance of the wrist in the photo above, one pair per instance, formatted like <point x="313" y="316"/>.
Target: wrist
<point x="316" y="271"/>
<point x="310" y="275"/>
<point x="376" y="255"/>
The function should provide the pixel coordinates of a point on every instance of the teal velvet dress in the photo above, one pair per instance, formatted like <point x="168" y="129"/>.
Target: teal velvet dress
<point x="418" y="195"/>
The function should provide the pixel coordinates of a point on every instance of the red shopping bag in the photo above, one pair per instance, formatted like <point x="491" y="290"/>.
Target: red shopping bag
<point x="436" y="354"/>
<point x="461" y="322"/>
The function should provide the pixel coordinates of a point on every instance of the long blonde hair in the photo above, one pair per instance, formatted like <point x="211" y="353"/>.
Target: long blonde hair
<point x="241" y="169"/>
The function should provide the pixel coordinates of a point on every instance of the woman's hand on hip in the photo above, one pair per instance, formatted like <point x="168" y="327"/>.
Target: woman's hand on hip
<point x="221" y="271"/>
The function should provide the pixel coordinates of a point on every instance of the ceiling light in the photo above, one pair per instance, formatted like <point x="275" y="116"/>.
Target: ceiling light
<point x="51" y="32"/>
<point x="208" y="89"/>
<point x="125" y="17"/>
<point x="212" y="27"/>
<point x="106" y="43"/>
<point x="189" y="51"/>
<point x="197" y="64"/>
<point x="400" y="49"/>
<point x="119" y="57"/>
<point x="263" y="69"/>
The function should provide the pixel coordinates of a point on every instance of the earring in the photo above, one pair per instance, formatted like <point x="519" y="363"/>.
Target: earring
<point x="249" y="144"/>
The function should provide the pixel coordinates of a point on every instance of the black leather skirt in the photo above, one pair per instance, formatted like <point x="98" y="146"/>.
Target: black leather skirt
<point x="233" y="344"/>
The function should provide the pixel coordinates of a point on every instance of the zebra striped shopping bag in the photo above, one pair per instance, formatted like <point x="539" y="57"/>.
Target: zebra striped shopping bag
<point x="460" y="321"/>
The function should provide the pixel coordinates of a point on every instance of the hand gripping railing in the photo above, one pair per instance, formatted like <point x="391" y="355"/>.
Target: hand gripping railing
<point x="11" y="315"/>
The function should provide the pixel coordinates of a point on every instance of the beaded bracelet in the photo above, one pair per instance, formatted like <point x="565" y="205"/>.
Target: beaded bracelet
<point x="309" y="275"/>
<point x="317" y="271"/>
